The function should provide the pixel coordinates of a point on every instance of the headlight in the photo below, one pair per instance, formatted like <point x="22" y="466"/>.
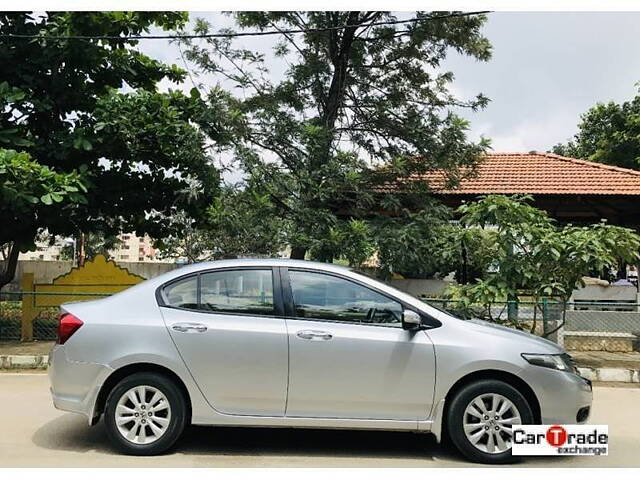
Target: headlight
<point x="561" y="361"/>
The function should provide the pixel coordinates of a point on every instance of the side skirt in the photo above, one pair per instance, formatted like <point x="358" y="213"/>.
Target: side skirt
<point x="331" y="423"/>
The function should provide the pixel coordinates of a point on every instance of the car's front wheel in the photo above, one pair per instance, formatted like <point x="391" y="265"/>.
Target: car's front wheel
<point x="481" y="419"/>
<point x="145" y="414"/>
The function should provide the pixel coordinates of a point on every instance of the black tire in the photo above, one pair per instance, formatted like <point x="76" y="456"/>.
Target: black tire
<point x="177" y="420"/>
<point x="455" y="418"/>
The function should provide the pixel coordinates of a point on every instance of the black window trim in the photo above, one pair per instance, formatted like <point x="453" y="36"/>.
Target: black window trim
<point x="278" y="306"/>
<point x="290" y="310"/>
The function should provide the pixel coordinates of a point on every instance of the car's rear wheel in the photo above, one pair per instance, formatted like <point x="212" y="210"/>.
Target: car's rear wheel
<point x="145" y="414"/>
<point x="481" y="417"/>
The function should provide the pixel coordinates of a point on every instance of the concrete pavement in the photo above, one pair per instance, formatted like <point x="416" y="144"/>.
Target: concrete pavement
<point x="34" y="434"/>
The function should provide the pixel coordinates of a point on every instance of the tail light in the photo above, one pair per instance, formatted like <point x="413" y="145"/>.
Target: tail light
<point x="67" y="325"/>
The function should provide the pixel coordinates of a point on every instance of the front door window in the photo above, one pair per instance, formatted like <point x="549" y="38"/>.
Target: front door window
<point x="327" y="297"/>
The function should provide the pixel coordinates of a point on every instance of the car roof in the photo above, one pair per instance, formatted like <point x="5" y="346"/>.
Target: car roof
<point x="253" y="262"/>
<point x="243" y="262"/>
<point x="267" y="262"/>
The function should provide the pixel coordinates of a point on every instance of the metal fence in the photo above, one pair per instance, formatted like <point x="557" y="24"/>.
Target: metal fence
<point x="541" y="318"/>
<point x="585" y="326"/>
<point x="578" y="326"/>
<point x="45" y="323"/>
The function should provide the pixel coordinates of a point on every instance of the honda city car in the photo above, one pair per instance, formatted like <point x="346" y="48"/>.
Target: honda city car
<point x="286" y="343"/>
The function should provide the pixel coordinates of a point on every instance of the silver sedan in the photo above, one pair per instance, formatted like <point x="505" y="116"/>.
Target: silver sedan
<point x="299" y="344"/>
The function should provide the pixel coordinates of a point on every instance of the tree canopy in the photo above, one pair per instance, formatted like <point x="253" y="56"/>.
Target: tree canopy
<point x="239" y="222"/>
<point x="91" y="106"/>
<point x="534" y="256"/>
<point x="30" y="192"/>
<point x="360" y="106"/>
<point x="608" y="133"/>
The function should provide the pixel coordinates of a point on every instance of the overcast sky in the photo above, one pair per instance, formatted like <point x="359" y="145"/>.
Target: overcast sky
<point x="547" y="69"/>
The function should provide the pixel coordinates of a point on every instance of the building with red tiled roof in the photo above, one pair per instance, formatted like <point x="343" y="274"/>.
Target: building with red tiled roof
<point x="543" y="174"/>
<point x="568" y="188"/>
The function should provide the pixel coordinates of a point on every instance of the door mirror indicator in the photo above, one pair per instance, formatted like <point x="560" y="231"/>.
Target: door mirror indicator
<point x="411" y="320"/>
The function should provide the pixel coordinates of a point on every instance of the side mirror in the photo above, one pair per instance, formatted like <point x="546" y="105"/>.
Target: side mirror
<point x="411" y="320"/>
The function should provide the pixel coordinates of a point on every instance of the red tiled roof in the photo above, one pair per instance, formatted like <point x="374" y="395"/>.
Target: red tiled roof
<point x="540" y="173"/>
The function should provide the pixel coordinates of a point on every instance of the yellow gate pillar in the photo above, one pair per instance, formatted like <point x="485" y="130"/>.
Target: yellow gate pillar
<point x="97" y="278"/>
<point x="29" y="312"/>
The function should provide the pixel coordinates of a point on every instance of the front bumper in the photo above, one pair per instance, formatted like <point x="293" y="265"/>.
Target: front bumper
<point x="564" y="397"/>
<point x="75" y="385"/>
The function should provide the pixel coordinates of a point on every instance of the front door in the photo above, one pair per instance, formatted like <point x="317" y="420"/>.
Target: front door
<point x="225" y="326"/>
<point x="350" y="356"/>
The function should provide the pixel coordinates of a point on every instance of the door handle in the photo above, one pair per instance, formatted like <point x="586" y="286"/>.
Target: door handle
<point x="189" y="327"/>
<point x="314" y="335"/>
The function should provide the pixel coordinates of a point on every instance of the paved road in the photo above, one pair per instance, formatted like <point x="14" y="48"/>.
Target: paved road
<point x="33" y="433"/>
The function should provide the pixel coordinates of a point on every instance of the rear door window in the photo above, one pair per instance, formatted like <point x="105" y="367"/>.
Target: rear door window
<point x="183" y="293"/>
<point x="248" y="292"/>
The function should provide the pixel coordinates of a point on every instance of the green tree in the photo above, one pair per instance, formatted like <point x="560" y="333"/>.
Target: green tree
<point x="29" y="192"/>
<point x="406" y="243"/>
<point x="534" y="256"/>
<point x="62" y="104"/>
<point x="608" y="133"/>
<point x="191" y="242"/>
<point x="240" y="222"/>
<point x="356" y="97"/>
<point x="351" y="241"/>
<point x="469" y="252"/>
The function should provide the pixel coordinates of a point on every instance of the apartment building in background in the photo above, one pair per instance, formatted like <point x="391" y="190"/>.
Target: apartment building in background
<point x="133" y="248"/>
<point x="44" y="252"/>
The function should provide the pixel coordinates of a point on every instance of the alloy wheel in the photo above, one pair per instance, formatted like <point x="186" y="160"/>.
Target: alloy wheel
<point x="488" y="422"/>
<point x="143" y="414"/>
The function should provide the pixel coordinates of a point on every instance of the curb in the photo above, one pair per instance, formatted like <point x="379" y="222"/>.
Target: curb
<point x="23" y="362"/>
<point x="603" y="374"/>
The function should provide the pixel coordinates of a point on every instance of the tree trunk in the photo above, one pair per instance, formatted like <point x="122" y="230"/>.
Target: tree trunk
<point x="465" y="267"/>
<point x="325" y="258"/>
<point x="81" y="249"/>
<point x="11" y="263"/>
<point x="340" y="54"/>
<point x="298" y="253"/>
<point x="622" y="270"/>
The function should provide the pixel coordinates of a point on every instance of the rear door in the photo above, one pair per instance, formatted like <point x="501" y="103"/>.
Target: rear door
<point x="349" y="355"/>
<point x="228" y="327"/>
